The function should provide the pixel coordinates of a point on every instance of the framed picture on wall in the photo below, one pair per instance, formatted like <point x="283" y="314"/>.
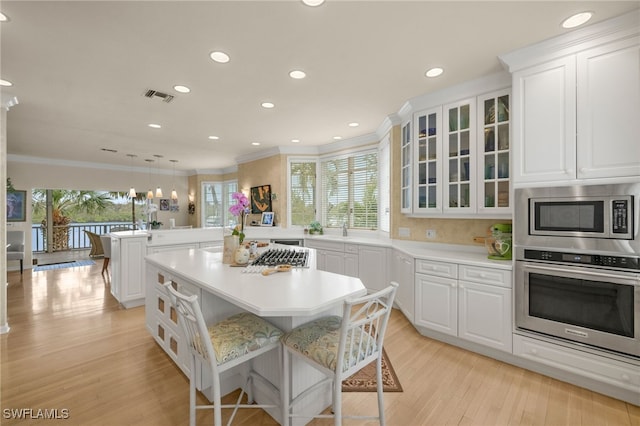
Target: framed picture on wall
<point x="261" y="199"/>
<point x="164" y="204"/>
<point x="17" y="206"/>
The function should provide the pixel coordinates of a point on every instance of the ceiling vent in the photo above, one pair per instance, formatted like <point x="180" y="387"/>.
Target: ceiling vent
<point x="164" y="97"/>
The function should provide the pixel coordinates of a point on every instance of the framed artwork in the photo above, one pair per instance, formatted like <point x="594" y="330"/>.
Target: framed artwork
<point x="261" y="199"/>
<point x="267" y="219"/>
<point x="17" y="206"/>
<point x="164" y="204"/>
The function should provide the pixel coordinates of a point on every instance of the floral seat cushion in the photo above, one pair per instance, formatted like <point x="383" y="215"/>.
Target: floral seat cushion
<point x="319" y="341"/>
<point x="240" y="334"/>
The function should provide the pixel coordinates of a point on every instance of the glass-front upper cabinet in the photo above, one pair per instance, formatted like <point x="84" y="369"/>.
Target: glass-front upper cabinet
<point x="406" y="181"/>
<point x="427" y="152"/>
<point x="494" y="168"/>
<point x="459" y="166"/>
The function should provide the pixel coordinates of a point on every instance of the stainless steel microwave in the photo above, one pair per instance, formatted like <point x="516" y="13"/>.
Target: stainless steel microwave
<point x="587" y="217"/>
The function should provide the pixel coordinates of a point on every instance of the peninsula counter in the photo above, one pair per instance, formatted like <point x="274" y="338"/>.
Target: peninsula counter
<point x="287" y="299"/>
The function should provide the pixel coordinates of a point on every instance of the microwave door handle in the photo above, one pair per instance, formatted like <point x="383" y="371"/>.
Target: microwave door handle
<point x="633" y="277"/>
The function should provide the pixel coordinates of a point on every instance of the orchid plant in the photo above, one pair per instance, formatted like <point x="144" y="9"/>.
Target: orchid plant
<point x="240" y="209"/>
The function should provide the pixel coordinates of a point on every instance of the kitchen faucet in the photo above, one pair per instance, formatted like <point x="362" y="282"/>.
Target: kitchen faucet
<point x="344" y="229"/>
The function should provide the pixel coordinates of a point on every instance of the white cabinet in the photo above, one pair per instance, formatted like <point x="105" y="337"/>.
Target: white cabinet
<point x="372" y="267"/>
<point x="576" y="103"/>
<point x="461" y="155"/>
<point x="336" y="257"/>
<point x="470" y="302"/>
<point x="484" y="306"/>
<point x="406" y="180"/>
<point x="127" y="263"/>
<point x="608" y="82"/>
<point x="402" y="273"/>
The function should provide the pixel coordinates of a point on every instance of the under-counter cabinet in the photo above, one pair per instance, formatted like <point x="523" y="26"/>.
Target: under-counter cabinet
<point x="334" y="256"/>
<point x="575" y="116"/>
<point x="372" y="267"/>
<point x="402" y="272"/>
<point x="470" y="302"/>
<point x="127" y="263"/>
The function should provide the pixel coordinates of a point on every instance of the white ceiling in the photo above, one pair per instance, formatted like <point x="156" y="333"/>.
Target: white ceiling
<point x="80" y="69"/>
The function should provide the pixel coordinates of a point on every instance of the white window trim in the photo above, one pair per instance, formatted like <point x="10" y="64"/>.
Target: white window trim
<point x="225" y="208"/>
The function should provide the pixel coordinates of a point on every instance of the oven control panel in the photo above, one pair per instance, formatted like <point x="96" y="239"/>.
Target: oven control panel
<point x="623" y="262"/>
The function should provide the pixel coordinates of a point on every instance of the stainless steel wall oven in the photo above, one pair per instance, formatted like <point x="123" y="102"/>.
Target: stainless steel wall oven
<point x="577" y="271"/>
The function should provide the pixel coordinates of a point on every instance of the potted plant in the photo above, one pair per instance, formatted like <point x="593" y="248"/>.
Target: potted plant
<point x="315" y="228"/>
<point x="155" y="224"/>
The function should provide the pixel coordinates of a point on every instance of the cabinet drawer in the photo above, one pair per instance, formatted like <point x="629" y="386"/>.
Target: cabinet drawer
<point x="489" y="276"/>
<point x="605" y="370"/>
<point x="351" y="248"/>
<point x="324" y="245"/>
<point x="440" y="269"/>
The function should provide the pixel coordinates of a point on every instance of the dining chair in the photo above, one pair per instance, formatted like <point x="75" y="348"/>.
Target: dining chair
<point x="15" y="249"/>
<point x="226" y="344"/>
<point x="339" y="347"/>
<point x="106" y="248"/>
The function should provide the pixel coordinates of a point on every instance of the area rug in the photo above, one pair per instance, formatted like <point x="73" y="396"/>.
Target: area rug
<point x="365" y="379"/>
<point x="62" y="265"/>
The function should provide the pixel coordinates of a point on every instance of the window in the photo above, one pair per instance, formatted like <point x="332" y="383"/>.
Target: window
<point x="349" y="191"/>
<point x="302" y="192"/>
<point x="216" y="199"/>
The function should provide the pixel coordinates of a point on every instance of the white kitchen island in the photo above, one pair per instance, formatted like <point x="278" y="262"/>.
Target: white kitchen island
<point x="287" y="299"/>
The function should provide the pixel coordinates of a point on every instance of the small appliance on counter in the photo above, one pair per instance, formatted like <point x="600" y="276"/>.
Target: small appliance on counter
<point x="499" y="243"/>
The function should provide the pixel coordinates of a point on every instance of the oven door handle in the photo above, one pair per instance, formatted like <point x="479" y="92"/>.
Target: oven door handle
<point x="631" y="276"/>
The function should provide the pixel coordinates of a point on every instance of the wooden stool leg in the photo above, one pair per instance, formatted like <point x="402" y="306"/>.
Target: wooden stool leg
<point x="105" y="263"/>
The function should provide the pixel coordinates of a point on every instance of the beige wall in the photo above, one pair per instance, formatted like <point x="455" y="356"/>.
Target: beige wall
<point x="267" y="171"/>
<point x="450" y="231"/>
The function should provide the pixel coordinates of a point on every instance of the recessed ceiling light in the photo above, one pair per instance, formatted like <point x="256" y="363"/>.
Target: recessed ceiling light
<point x="337" y="138"/>
<point x="295" y="140"/>
<point x="3" y="17"/>
<point x="220" y="57"/>
<point x="214" y="138"/>
<point x="181" y="89"/>
<point x="154" y="126"/>
<point x="313" y="2"/>
<point x="255" y="143"/>
<point x="297" y="74"/>
<point x="267" y="105"/>
<point x="5" y="83"/>
<point x="434" y="72"/>
<point x="354" y="124"/>
<point x="577" y="19"/>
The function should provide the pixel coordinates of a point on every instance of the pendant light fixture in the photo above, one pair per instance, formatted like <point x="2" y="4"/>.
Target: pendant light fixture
<point x="150" y="192"/>
<point x="174" y="194"/>
<point x="158" y="189"/>
<point x="132" y="190"/>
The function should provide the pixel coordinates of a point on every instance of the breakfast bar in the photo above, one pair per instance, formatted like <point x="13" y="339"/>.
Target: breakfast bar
<point x="286" y="299"/>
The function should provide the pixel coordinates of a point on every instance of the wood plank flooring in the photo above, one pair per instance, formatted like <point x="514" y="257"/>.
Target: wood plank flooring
<point x="72" y="347"/>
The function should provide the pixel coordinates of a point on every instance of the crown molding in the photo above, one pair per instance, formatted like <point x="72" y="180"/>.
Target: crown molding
<point x="623" y="26"/>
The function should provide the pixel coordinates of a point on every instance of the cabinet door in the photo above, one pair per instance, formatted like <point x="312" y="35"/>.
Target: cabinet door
<point x="405" y="169"/>
<point x="485" y="315"/>
<point x="494" y="168"/>
<point x="372" y="263"/>
<point x="402" y="273"/>
<point x="437" y="303"/>
<point x="132" y="252"/>
<point x="544" y="111"/>
<point x="333" y="261"/>
<point x="458" y="159"/>
<point x="609" y="110"/>
<point x="351" y="266"/>
<point x="427" y="154"/>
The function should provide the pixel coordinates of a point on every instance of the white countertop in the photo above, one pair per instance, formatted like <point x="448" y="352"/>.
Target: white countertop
<point x="301" y="292"/>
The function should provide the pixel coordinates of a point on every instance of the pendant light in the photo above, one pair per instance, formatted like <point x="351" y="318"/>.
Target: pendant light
<point x="150" y="192"/>
<point x="132" y="190"/>
<point x="174" y="194"/>
<point x="158" y="189"/>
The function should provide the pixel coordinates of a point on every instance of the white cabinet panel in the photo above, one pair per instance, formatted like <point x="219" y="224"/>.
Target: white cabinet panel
<point x="437" y="303"/>
<point x="544" y="122"/>
<point x="485" y="315"/>
<point x="608" y="110"/>
<point x="402" y="272"/>
<point x="372" y="265"/>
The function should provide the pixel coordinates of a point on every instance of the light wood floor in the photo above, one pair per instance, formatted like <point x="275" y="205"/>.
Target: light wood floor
<point x="72" y="347"/>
